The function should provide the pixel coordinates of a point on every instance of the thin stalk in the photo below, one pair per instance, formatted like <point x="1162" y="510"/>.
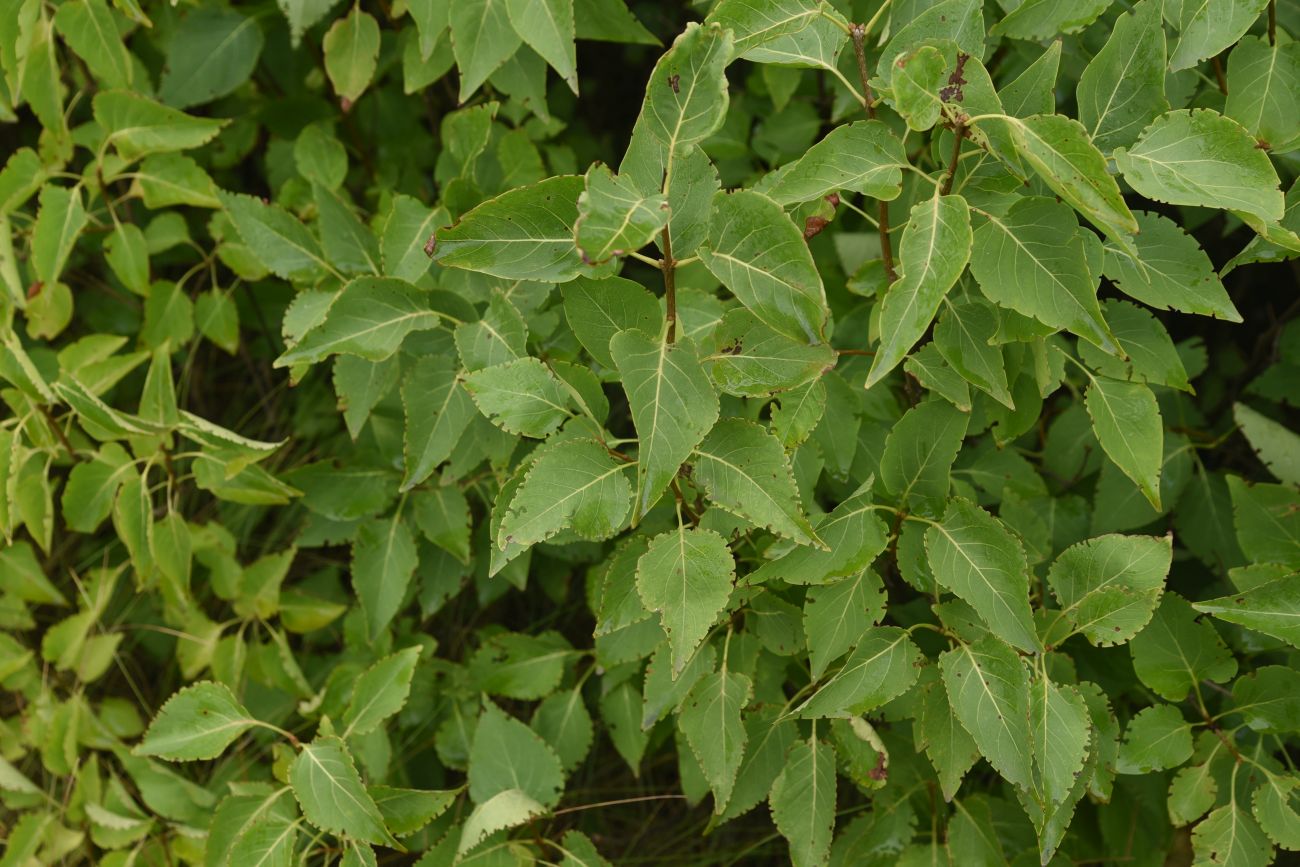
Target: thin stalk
<point x="669" y="267"/>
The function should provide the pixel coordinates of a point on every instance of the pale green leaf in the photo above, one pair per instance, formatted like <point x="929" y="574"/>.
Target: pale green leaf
<point x="854" y="536"/>
<point x="1202" y="158"/>
<point x="1058" y="720"/>
<point x="1156" y="739"/>
<point x="837" y="615"/>
<point x="198" y="722"/>
<point x="673" y="406"/>
<point x="383" y="559"/>
<point x="935" y="247"/>
<point x="686" y="576"/>
<point x="1276" y="807"/>
<point x="380" y="691"/>
<point x="1043" y="19"/>
<point x="574" y="485"/>
<point x="743" y="468"/>
<point x="596" y="310"/>
<point x="90" y="29"/>
<point x="1126" y="420"/>
<point x="1277" y="446"/>
<point x="751" y="360"/>
<point x="803" y="802"/>
<point x="507" y="755"/>
<point x="949" y="746"/>
<point x="1229" y="836"/>
<point x="1272" y="608"/>
<point x="482" y="39"/>
<point x="1031" y="261"/>
<point x="137" y="126"/>
<point x="710" y="719"/>
<point x="505" y="809"/>
<point x="438" y="410"/>
<point x="1170" y="270"/>
<point x="523" y="234"/>
<point x="520" y="397"/>
<point x="919" y="453"/>
<point x="1207" y="27"/>
<point x="59" y="221"/>
<point x="988" y="687"/>
<point x="976" y="557"/>
<point x="285" y="246"/>
<point x="369" y="318"/>
<point x="547" y="27"/>
<point x="614" y="216"/>
<point x="351" y="52"/>
<point x="882" y="667"/>
<point x="761" y="256"/>
<point x="1176" y="651"/>
<point x="860" y="157"/>
<point x="1108" y="587"/>
<point x="1264" y="90"/>
<point x="329" y="790"/>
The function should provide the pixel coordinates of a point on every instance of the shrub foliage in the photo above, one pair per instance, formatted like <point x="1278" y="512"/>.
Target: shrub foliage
<point x="543" y="431"/>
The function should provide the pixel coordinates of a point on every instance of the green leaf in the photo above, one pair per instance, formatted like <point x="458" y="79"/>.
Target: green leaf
<point x="246" y="827"/>
<point x="803" y="802"/>
<point x="1263" y="83"/>
<point x="1168" y="271"/>
<point x="329" y="790"/>
<point x="369" y="318"/>
<point x="92" y="488"/>
<point x="1269" y="699"/>
<point x="482" y="39"/>
<point x="1156" y="739"/>
<point x="1202" y="158"/>
<point x="137" y="126"/>
<point x="1229" y="836"/>
<point x="596" y="310"/>
<point x="380" y="691"/>
<point x="59" y="221"/>
<point x="882" y="667"/>
<point x="276" y="238"/>
<point x="524" y="234"/>
<point x="505" y="809"/>
<point x="520" y="397"/>
<point x="1267" y="518"/>
<point x="673" y="406"/>
<point x="1043" y="19"/>
<point x="1150" y="352"/>
<point x="933" y="253"/>
<point x="1207" y="28"/>
<point x="743" y="468"/>
<point x="1033" y="260"/>
<point x="351" y="53"/>
<point x="1060" y="151"/>
<point x="175" y="179"/>
<point x="757" y="252"/>
<point x="383" y="559"/>
<point x="1176" y="651"/>
<point x="1108" y="587"/>
<point x="853" y="536"/>
<point x="686" y="576"/>
<point x="547" y="27"/>
<point x="564" y="721"/>
<point x="919" y="453"/>
<point x="1058" y="719"/>
<point x="438" y="411"/>
<point x="751" y="360"/>
<point x="977" y="558"/>
<point x="1272" y="608"/>
<point x="507" y="755"/>
<point x="408" y="226"/>
<point x="1126" y="420"/>
<point x="710" y="719"/>
<point x="837" y="615"/>
<point x="916" y="79"/>
<point x="198" y="722"/>
<point x="950" y="747"/>
<point x="90" y="29"/>
<point x="127" y="254"/>
<point x="348" y="243"/>
<point x="574" y="485"/>
<point x="686" y="98"/>
<point x="406" y="811"/>
<point x="1277" y="447"/>
<point x="212" y="53"/>
<point x="861" y="157"/>
<point x="1274" y="806"/>
<point x="988" y="688"/>
<point x="614" y="216"/>
<point x="965" y="338"/>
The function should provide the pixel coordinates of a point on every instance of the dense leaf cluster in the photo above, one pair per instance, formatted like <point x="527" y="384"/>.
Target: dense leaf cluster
<point x="847" y="432"/>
